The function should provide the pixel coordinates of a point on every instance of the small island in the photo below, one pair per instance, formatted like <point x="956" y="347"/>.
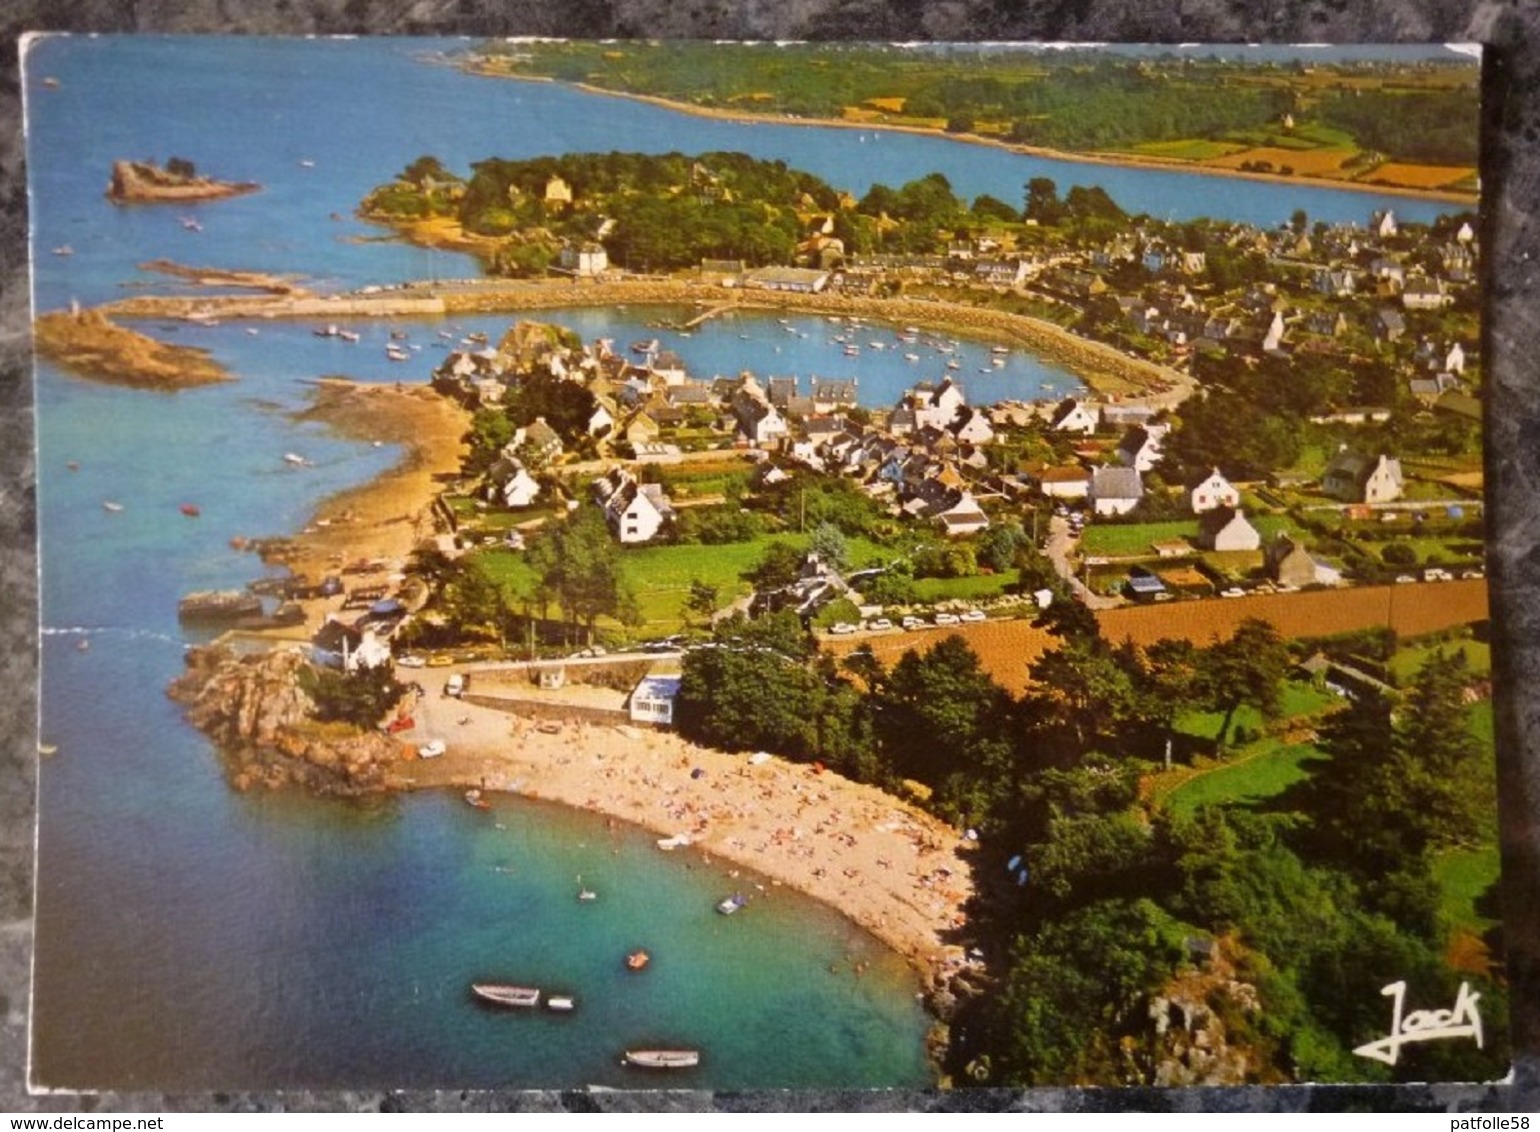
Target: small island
<point x="89" y="344"/>
<point x="144" y="182"/>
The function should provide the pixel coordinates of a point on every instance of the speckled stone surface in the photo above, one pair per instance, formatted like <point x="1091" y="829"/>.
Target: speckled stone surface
<point x="1511" y="241"/>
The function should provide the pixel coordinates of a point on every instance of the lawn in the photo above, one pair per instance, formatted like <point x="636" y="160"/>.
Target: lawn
<point x="1463" y="875"/>
<point x="1299" y="700"/>
<point x="1187" y="149"/>
<point x="1130" y="540"/>
<point x="1478" y="657"/>
<point x="1262" y="770"/>
<point x="975" y="588"/>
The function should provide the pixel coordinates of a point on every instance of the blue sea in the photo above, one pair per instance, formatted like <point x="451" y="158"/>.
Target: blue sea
<point x="190" y="937"/>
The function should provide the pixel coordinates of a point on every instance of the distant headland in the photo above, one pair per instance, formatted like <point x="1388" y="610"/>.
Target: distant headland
<point x="139" y="182"/>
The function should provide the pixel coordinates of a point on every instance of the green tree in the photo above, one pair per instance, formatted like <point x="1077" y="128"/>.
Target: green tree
<point x="702" y="602"/>
<point x="829" y="545"/>
<point x="1078" y="985"/>
<point x="361" y="697"/>
<point x="1249" y="668"/>
<point x="1042" y="202"/>
<point x="581" y="569"/>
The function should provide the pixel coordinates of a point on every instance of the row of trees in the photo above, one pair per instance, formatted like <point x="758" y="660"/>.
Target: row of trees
<point x="1315" y="895"/>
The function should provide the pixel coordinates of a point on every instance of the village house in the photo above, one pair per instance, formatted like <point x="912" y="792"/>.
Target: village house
<point x="832" y="395"/>
<point x="1071" y="482"/>
<point x="1073" y="416"/>
<point x="804" y="280"/>
<point x="1140" y="447"/>
<point x="1356" y="478"/>
<point x="1425" y="295"/>
<point x="636" y="512"/>
<point x="652" y="700"/>
<point x="586" y="259"/>
<point x="539" y="440"/>
<point x="759" y="422"/>
<point x="509" y="483"/>
<point x="1289" y="564"/>
<point x="337" y="644"/>
<point x="935" y="406"/>
<point x="971" y="426"/>
<point x="1213" y="492"/>
<point x="1116" y="491"/>
<point x="1227" y="528"/>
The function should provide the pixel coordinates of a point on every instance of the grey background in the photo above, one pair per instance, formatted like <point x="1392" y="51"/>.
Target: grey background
<point x="1511" y="179"/>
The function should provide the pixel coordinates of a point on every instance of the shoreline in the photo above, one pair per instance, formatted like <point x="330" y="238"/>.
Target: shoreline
<point x="1130" y="161"/>
<point x="895" y="872"/>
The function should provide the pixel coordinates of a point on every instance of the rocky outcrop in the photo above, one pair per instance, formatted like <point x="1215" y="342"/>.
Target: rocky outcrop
<point x="1202" y="1028"/>
<point x="90" y="344"/>
<point x="255" y="710"/>
<point x="140" y="182"/>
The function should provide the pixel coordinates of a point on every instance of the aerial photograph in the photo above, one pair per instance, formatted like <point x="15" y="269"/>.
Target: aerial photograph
<point x="717" y="566"/>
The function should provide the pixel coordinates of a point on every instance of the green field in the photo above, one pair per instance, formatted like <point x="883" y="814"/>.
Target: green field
<point x="974" y="588"/>
<point x="660" y="576"/>
<point x="1188" y="149"/>
<point x="1299" y="701"/>
<point x="1265" y="768"/>
<point x="1463" y="875"/>
<point x="1130" y="540"/>
<point x="1478" y="656"/>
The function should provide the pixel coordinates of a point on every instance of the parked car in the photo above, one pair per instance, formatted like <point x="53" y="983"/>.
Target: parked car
<point x="947" y="619"/>
<point x="1233" y="591"/>
<point x="842" y="627"/>
<point x="975" y="615"/>
<point x="913" y="623"/>
<point x="411" y="661"/>
<point x="879" y="625"/>
<point x="439" y="660"/>
<point x="455" y="685"/>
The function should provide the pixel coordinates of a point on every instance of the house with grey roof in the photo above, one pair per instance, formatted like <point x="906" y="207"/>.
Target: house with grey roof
<point x="1116" y="490"/>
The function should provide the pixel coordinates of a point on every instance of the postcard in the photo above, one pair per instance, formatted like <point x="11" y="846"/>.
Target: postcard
<point x="746" y="566"/>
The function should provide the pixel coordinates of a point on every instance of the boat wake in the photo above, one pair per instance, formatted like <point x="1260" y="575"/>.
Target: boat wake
<point x="125" y="633"/>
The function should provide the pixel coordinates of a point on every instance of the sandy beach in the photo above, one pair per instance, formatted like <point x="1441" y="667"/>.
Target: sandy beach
<point x="890" y="868"/>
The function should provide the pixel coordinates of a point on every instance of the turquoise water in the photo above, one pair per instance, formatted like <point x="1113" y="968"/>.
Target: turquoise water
<point x="193" y="938"/>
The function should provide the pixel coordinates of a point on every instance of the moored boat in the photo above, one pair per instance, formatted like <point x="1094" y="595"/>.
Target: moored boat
<point x="561" y="1003"/>
<point x="637" y="960"/>
<point x="474" y="797"/>
<point x="663" y="1058"/>
<point x="731" y="904"/>
<point x="190" y="510"/>
<point x="111" y="506"/>
<point x="506" y="994"/>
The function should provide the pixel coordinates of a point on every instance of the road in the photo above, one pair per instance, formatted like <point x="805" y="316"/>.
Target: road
<point x="1060" y="549"/>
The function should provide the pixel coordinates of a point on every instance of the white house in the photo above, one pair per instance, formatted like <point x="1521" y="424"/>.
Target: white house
<point x="1226" y="528"/>
<point x="585" y="259"/>
<point x="1356" y="478"/>
<point x="339" y="645"/>
<point x="652" y="701"/>
<point x="1215" y="491"/>
<point x="1116" y="491"/>
<point x="1071" y="482"/>
<point x="972" y="427"/>
<point x="1140" y="448"/>
<point x="1072" y="416"/>
<point x="1454" y="361"/>
<point x="936" y="406"/>
<point x="511" y="485"/>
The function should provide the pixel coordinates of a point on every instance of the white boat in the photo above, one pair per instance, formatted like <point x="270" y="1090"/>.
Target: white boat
<point x="306" y="163"/>
<point x="999" y="349"/>
<point x="505" y="994"/>
<point x="585" y="894"/>
<point x="911" y="357"/>
<point x="731" y="904"/>
<point x="64" y="249"/>
<point x="296" y="459"/>
<point x="109" y="505"/>
<point x="674" y="842"/>
<point x="561" y="1003"/>
<point x="663" y="1058"/>
<point x="396" y="353"/>
<point x="348" y="335"/>
<point x="191" y="225"/>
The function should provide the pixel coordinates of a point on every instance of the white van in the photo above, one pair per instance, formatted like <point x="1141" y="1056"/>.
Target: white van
<point x="455" y="685"/>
